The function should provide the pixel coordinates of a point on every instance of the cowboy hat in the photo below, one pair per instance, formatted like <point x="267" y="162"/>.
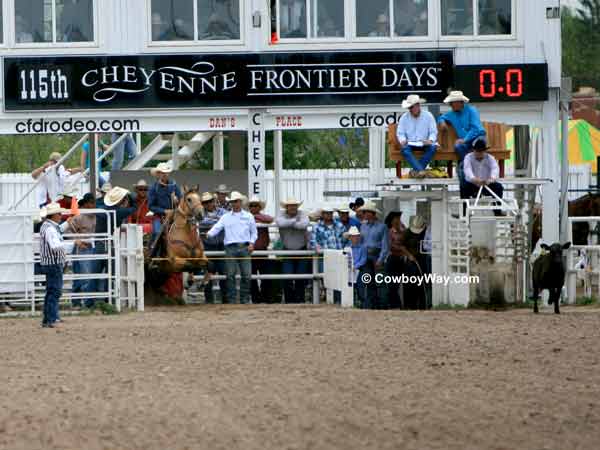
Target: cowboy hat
<point x="480" y="144"/>
<point x="254" y="200"/>
<point x="70" y="190"/>
<point x="115" y="196"/>
<point x="369" y="206"/>
<point x="382" y="18"/>
<point x="52" y="209"/>
<point x="54" y="156"/>
<point x="416" y="224"/>
<point x="353" y="231"/>
<point x="141" y="183"/>
<point x="412" y="100"/>
<point x="105" y="187"/>
<point x="235" y="196"/>
<point x="343" y="209"/>
<point x="290" y="201"/>
<point x="207" y="197"/>
<point x="456" y="96"/>
<point x="222" y="189"/>
<point x="164" y="167"/>
<point x="327" y="209"/>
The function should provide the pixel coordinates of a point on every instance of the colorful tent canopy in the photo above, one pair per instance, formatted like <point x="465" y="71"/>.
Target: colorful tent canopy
<point x="584" y="143"/>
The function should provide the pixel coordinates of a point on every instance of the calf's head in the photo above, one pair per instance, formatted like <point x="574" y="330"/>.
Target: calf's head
<point x="555" y="250"/>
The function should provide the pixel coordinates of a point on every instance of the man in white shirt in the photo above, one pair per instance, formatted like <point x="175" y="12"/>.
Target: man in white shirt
<point x="240" y="235"/>
<point x="53" y="180"/>
<point x="481" y="169"/>
<point x="417" y="131"/>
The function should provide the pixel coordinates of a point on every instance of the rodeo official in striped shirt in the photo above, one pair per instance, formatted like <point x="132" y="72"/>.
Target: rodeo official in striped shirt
<point x="53" y="250"/>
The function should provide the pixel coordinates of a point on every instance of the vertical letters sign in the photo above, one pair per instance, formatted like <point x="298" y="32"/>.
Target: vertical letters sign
<point x="256" y="154"/>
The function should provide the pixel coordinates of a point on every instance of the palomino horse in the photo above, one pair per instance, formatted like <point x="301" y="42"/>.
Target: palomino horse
<point x="184" y="249"/>
<point x="588" y="205"/>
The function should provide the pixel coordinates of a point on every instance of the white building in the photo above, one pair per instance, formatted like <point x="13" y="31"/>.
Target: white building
<point x="210" y="65"/>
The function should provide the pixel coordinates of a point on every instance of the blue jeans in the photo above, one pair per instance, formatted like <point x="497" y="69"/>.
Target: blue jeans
<point x="54" y="285"/>
<point x="127" y="144"/>
<point x="294" y="290"/>
<point x="419" y="164"/>
<point x="231" y="267"/>
<point x="84" y="267"/>
<point x="217" y="267"/>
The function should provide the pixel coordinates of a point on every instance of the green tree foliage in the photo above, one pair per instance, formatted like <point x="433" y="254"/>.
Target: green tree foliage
<point x="25" y="153"/>
<point x="581" y="43"/>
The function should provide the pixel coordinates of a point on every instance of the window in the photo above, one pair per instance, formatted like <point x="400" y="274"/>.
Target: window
<point x="50" y="21"/>
<point x="410" y="18"/>
<point x="311" y="18"/>
<point x="1" y="24"/>
<point x="174" y="20"/>
<point x="494" y="17"/>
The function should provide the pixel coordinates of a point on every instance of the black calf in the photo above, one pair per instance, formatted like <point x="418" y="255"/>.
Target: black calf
<point x="549" y="273"/>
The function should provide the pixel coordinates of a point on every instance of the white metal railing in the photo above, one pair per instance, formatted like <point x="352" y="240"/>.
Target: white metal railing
<point x="583" y="261"/>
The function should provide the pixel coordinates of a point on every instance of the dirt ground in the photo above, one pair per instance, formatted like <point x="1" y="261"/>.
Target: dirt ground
<point x="302" y="377"/>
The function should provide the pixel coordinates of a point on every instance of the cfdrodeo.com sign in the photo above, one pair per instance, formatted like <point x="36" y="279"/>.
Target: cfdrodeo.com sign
<point x="217" y="80"/>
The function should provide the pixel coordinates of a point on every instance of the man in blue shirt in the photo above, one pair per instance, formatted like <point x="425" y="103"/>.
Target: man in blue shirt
<point x="240" y="235"/>
<point x="375" y="238"/>
<point x="212" y="214"/>
<point x="163" y="197"/>
<point x="417" y="131"/>
<point x="359" y="259"/>
<point x="327" y="234"/>
<point x="465" y="120"/>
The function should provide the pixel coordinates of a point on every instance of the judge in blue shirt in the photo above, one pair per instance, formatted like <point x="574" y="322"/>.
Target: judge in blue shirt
<point x="465" y="120"/>
<point x="375" y="238"/>
<point x="240" y="235"/>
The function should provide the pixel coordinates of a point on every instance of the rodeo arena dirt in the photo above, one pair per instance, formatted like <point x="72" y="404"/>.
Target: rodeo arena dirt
<point x="174" y="276"/>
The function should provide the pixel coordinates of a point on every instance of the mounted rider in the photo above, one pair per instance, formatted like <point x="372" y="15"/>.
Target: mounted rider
<point x="163" y="197"/>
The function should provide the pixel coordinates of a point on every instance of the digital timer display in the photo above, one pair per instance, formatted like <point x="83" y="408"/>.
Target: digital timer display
<point x="503" y="83"/>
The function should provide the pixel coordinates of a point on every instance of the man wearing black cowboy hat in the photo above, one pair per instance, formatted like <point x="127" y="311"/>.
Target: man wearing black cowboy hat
<point x="481" y="169"/>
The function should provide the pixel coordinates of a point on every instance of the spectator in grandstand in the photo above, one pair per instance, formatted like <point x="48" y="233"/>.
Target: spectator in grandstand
<point x="85" y="160"/>
<point x="127" y="144"/>
<point x="53" y="251"/>
<point x="359" y="259"/>
<point x="52" y="177"/>
<point x="240" y="235"/>
<point x="262" y="292"/>
<point x="141" y="216"/>
<point x="222" y="192"/>
<point x="211" y="216"/>
<point x="465" y="120"/>
<point x="293" y="224"/>
<point x="163" y="197"/>
<point x="84" y="224"/>
<point x="417" y="131"/>
<point x="481" y="169"/>
<point x="374" y="235"/>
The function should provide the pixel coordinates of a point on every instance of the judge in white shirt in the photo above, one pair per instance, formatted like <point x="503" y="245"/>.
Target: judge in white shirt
<point x="417" y="131"/>
<point x="240" y="234"/>
<point x="481" y="169"/>
<point x="53" y="178"/>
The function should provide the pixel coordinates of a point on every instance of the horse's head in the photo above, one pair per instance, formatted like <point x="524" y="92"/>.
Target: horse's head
<point x="191" y="204"/>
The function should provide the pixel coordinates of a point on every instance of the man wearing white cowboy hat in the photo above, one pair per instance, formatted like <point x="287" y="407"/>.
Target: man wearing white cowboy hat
<point x="465" y="120"/>
<point x="262" y="293"/>
<point x="53" y="250"/>
<point x="417" y="130"/>
<point x="374" y="235"/>
<point x="240" y="235"/>
<point x="211" y="216"/>
<point x="293" y="224"/>
<point x="53" y="179"/>
<point x="141" y="216"/>
<point x="359" y="259"/>
<point x="222" y="192"/>
<point x="327" y="233"/>
<point x="163" y="197"/>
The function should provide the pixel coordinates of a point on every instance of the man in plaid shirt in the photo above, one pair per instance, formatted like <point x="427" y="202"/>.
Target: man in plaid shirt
<point x="327" y="234"/>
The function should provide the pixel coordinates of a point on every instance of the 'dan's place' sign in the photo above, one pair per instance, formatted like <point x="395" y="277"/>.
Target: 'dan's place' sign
<point x="218" y="80"/>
